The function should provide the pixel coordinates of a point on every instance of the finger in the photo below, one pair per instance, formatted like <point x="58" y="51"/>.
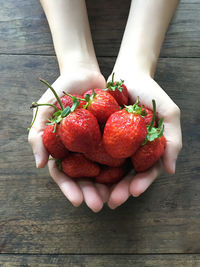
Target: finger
<point x="170" y="156"/>
<point x="143" y="180"/>
<point x="35" y="135"/>
<point x="91" y="195"/>
<point x="104" y="191"/>
<point x="173" y="137"/>
<point x="120" y="192"/>
<point x="40" y="153"/>
<point x="172" y="131"/>
<point x="69" y="188"/>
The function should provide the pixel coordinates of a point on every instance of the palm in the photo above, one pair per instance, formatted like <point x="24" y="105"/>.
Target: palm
<point x="76" y="191"/>
<point x="147" y="89"/>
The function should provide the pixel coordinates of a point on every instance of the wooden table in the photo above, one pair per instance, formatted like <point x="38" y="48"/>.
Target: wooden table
<point x="38" y="226"/>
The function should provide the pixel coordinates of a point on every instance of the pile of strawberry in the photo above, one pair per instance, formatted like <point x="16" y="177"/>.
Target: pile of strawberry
<point x="99" y="136"/>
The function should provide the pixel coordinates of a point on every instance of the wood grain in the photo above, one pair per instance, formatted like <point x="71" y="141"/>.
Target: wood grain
<point x="24" y="29"/>
<point x="100" y="260"/>
<point x="38" y="226"/>
<point x="36" y="218"/>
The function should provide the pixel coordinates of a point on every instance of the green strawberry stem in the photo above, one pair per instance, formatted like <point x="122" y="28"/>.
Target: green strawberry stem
<point x="76" y="100"/>
<point x="28" y="129"/>
<point x="113" y="77"/>
<point x="73" y="96"/>
<point x="153" y="132"/>
<point x="53" y="91"/>
<point x="112" y="86"/>
<point x="90" y="98"/>
<point x="137" y="101"/>
<point x="154" y="114"/>
<point x="160" y="123"/>
<point x="35" y="105"/>
<point x="159" y="127"/>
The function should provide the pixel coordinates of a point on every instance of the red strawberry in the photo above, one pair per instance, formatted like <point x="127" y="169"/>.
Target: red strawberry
<point x="101" y="104"/>
<point x="147" y="155"/>
<point x="148" y="118"/>
<point x="101" y="156"/>
<point x="110" y="175"/>
<point x="119" y="91"/>
<point x="89" y="92"/>
<point x="153" y="147"/>
<point x="78" y="128"/>
<point x="53" y="143"/>
<point x="79" y="131"/>
<point x="124" y="132"/>
<point x="77" y="166"/>
<point x="68" y="101"/>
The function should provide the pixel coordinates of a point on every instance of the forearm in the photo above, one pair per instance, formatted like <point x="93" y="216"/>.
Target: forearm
<point x="68" y="22"/>
<point x="144" y="34"/>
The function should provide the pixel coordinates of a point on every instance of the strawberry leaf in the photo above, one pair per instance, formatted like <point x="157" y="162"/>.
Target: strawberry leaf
<point x="136" y="109"/>
<point x="59" y="164"/>
<point x="66" y="112"/>
<point x="153" y="132"/>
<point x="113" y="86"/>
<point x="89" y="98"/>
<point x="76" y="103"/>
<point x="152" y="135"/>
<point x="57" y="113"/>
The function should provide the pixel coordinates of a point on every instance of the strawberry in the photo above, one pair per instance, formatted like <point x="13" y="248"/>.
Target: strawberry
<point x="124" y="132"/>
<point x="149" y="116"/>
<point x="101" y="104"/>
<point x="79" y="131"/>
<point x="118" y="90"/>
<point x="153" y="147"/>
<point x="89" y="92"/>
<point x="101" y="156"/>
<point x="68" y="101"/>
<point x="147" y="155"/>
<point x="110" y="175"/>
<point x="78" y="128"/>
<point x="77" y="166"/>
<point x="53" y="143"/>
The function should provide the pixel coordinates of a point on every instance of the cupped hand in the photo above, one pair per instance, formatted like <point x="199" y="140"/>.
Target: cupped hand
<point x="147" y="89"/>
<point x="76" y="191"/>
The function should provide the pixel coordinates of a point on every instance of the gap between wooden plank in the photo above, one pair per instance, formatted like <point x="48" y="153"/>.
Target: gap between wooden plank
<point x="51" y="55"/>
<point x="99" y="254"/>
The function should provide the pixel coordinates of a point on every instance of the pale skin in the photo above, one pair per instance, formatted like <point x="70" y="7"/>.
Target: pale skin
<point x="136" y="62"/>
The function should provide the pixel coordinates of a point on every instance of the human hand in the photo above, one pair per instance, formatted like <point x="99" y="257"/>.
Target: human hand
<point x="146" y="88"/>
<point x="76" y="191"/>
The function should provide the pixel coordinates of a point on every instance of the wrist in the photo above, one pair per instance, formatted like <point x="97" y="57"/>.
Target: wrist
<point x="132" y="69"/>
<point x="84" y="74"/>
<point x="144" y="34"/>
<point x="136" y="62"/>
<point x="77" y="61"/>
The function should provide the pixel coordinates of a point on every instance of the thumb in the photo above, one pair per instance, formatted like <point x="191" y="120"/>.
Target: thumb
<point x="35" y="135"/>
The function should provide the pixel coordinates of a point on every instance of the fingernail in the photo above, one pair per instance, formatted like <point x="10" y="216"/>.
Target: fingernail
<point x="76" y="205"/>
<point x="111" y="206"/>
<point x="174" y="166"/>
<point x="37" y="160"/>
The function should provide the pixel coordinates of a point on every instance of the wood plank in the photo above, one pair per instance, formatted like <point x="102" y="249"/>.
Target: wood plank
<point x="100" y="260"/>
<point x="34" y="215"/>
<point x="24" y="29"/>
